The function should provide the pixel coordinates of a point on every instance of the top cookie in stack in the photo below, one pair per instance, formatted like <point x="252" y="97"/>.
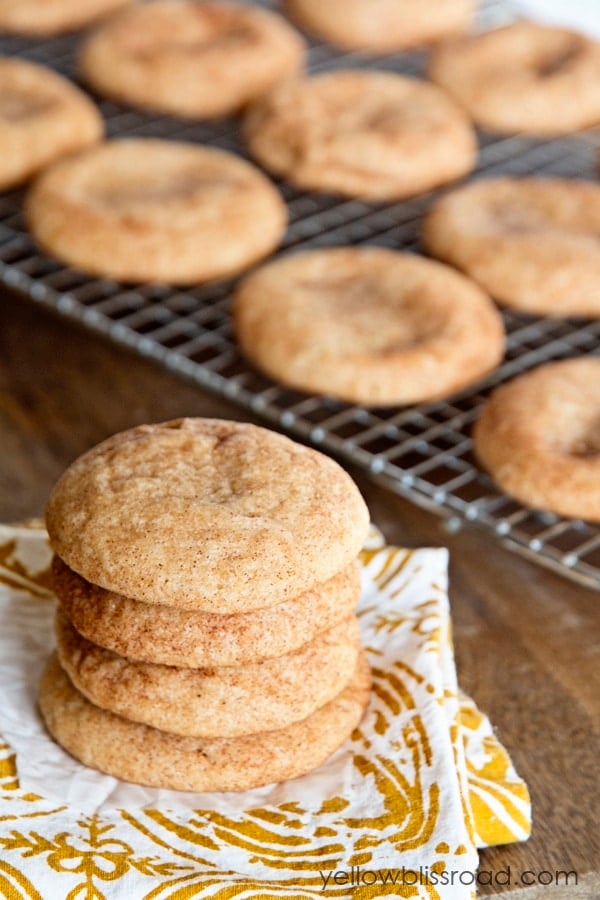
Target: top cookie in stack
<point x="207" y="575"/>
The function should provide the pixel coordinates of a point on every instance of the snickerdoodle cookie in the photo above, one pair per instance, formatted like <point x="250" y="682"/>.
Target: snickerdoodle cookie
<point x="226" y="701"/>
<point x="204" y="514"/>
<point x="164" y="634"/>
<point x="152" y="210"/>
<point x="42" y="117"/>
<point x="192" y="58"/>
<point x="539" y="437"/>
<point x="367" y="325"/>
<point x="533" y="243"/>
<point x="525" y="77"/>
<point x="146" y="755"/>
<point x="382" y="25"/>
<point x="41" y="18"/>
<point x="375" y="135"/>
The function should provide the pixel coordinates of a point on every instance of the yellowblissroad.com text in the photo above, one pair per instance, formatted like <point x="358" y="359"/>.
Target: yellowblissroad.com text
<point x="356" y="876"/>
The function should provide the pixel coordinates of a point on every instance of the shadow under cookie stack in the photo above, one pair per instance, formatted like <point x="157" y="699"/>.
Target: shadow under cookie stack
<point x="207" y="577"/>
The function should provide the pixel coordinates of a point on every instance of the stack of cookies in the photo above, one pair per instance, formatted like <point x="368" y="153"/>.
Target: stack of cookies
<point x="206" y="574"/>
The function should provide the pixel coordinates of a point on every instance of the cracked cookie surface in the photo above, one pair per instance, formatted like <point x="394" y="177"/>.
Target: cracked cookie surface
<point x="367" y="325"/>
<point x="42" y="118"/>
<point x="539" y="437"/>
<point x="191" y="58"/>
<point x="525" y="77"/>
<point x="205" y="514"/>
<point x="375" y="135"/>
<point x="533" y="243"/>
<point x="145" y="210"/>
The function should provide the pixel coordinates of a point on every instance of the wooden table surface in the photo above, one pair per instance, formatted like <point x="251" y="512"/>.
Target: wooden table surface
<point x="527" y="641"/>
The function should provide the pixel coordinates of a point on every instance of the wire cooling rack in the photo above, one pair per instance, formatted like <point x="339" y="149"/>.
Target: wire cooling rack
<point x="422" y="452"/>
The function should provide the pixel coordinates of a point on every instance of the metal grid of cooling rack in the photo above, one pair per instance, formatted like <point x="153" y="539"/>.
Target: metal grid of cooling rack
<point x="422" y="452"/>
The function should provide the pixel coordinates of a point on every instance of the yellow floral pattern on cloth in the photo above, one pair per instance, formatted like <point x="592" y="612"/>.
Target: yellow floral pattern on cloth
<point x="395" y="812"/>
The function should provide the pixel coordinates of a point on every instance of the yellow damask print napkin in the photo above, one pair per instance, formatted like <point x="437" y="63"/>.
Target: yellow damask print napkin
<point x="398" y="811"/>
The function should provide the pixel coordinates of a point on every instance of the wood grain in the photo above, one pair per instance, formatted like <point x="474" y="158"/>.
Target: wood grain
<point x="527" y="641"/>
